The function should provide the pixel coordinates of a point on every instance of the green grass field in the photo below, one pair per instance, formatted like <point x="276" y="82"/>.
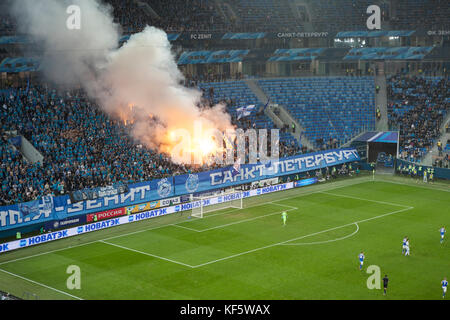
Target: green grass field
<point x="249" y="254"/>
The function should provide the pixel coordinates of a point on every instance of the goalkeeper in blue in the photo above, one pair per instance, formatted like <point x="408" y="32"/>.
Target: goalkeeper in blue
<point x="444" y="284"/>
<point x="361" y="260"/>
<point x="284" y="217"/>
<point x="442" y="232"/>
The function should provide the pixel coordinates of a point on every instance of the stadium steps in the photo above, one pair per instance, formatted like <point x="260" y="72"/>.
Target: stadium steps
<point x="381" y="102"/>
<point x="219" y="5"/>
<point x="428" y="159"/>
<point x="285" y="117"/>
<point x="327" y="107"/>
<point x="147" y="9"/>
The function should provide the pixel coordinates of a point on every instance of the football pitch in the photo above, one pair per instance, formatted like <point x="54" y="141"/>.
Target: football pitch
<point x="249" y="254"/>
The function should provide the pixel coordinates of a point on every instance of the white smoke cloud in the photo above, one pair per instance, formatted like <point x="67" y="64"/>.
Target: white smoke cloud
<point x="142" y="73"/>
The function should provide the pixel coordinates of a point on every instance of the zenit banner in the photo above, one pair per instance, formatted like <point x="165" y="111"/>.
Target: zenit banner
<point x="60" y="208"/>
<point x="222" y="178"/>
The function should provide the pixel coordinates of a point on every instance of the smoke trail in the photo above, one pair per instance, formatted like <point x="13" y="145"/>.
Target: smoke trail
<point x="142" y="73"/>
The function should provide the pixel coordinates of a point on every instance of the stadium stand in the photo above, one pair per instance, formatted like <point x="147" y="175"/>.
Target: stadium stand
<point x="429" y="14"/>
<point x="130" y="17"/>
<point x="327" y="107"/>
<point x="417" y="106"/>
<point x="342" y="15"/>
<point x="171" y="16"/>
<point x="236" y="94"/>
<point x="7" y="24"/>
<point x="264" y="15"/>
<point x="83" y="148"/>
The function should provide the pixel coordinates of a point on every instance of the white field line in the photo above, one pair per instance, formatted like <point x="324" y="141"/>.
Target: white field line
<point x="245" y="220"/>
<point x="326" y="241"/>
<point x="40" y="284"/>
<point x="212" y="228"/>
<point x="187" y="228"/>
<point x="298" y="238"/>
<point x="233" y="210"/>
<point x="257" y="249"/>
<point x="283" y="205"/>
<point x="166" y="225"/>
<point x="125" y="234"/>
<point x="122" y="235"/>
<point x="357" y="198"/>
<point x="146" y="253"/>
<point x="417" y="185"/>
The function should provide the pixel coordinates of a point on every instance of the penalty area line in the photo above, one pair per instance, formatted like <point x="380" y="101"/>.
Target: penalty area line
<point x="318" y="189"/>
<point x="301" y="237"/>
<point x="326" y="241"/>
<point x="146" y="253"/>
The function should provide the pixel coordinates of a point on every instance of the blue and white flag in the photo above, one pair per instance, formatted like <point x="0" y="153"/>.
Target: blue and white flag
<point x="28" y="85"/>
<point x="30" y="208"/>
<point x="47" y="204"/>
<point x="265" y="107"/>
<point x="268" y="169"/>
<point x="245" y="111"/>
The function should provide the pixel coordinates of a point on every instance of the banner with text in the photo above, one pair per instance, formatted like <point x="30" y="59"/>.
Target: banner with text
<point x="60" y="208"/>
<point x="99" y="225"/>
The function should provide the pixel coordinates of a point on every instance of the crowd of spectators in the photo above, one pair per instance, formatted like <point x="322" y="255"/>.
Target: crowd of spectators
<point x="7" y="24"/>
<point x="343" y="15"/>
<point x="442" y="162"/>
<point x="278" y="15"/>
<point x="265" y="15"/>
<point x="413" y="14"/>
<point x="81" y="146"/>
<point x="7" y="296"/>
<point x="171" y="16"/>
<point x="206" y="16"/>
<point x="210" y="76"/>
<point x="417" y="107"/>
<point x="131" y="18"/>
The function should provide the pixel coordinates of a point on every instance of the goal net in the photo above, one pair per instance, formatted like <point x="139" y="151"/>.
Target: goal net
<point x="216" y="202"/>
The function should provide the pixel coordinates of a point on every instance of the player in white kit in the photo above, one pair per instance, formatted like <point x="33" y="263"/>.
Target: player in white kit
<point x="444" y="284"/>
<point x="442" y="232"/>
<point x="407" y="247"/>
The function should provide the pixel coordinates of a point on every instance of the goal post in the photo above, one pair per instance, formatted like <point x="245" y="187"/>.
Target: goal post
<point x="210" y="203"/>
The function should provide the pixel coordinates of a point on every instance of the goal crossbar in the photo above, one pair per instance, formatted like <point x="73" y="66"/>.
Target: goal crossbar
<point x="205" y="204"/>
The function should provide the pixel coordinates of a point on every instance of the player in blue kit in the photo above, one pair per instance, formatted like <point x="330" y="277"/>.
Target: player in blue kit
<point x="404" y="245"/>
<point x="444" y="284"/>
<point x="361" y="260"/>
<point x="442" y="232"/>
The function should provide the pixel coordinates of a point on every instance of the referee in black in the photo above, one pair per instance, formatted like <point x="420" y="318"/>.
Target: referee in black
<point x="385" y="283"/>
